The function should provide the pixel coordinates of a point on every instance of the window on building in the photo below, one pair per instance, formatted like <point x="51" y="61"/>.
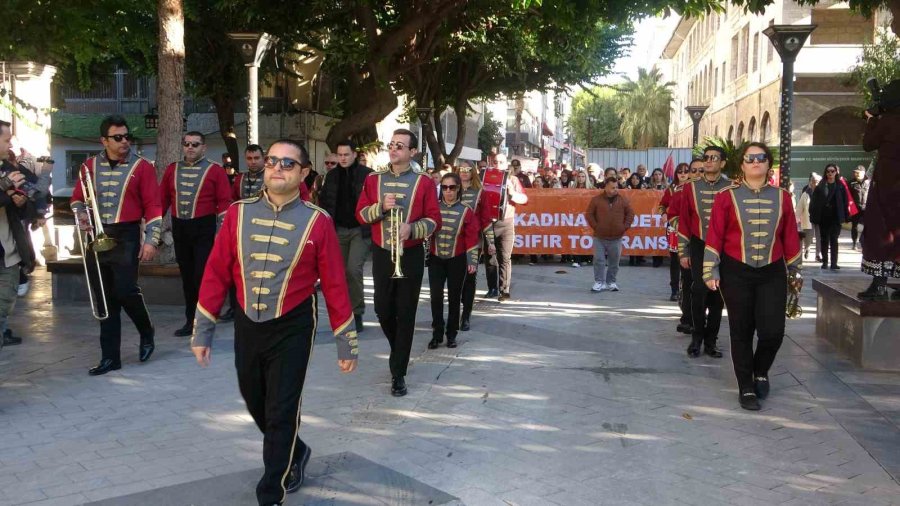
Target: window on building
<point x="764" y="128"/>
<point x="715" y="79"/>
<point x="751" y="129"/>
<point x="74" y="159"/>
<point x="770" y="49"/>
<point x="841" y="26"/>
<point x="735" y="55"/>
<point x="745" y="49"/>
<point x="723" y="77"/>
<point x="740" y="133"/>
<point x="755" y="50"/>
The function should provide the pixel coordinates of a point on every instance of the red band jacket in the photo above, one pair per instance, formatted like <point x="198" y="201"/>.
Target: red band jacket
<point x="416" y="194"/>
<point x="694" y="210"/>
<point x="195" y="190"/>
<point x="756" y="227"/>
<point x="458" y="235"/>
<point x="127" y="192"/>
<point x="473" y="198"/>
<point x="247" y="185"/>
<point x="273" y="256"/>
<point x="670" y="205"/>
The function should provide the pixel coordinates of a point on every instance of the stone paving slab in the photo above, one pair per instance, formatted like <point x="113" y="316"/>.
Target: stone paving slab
<point x="342" y="479"/>
<point x="560" y="396"/>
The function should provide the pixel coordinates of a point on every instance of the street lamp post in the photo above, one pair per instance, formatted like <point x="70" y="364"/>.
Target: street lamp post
<point x="424" y="114"/>
<point x="253" y="47"/>
<point x="787" y="40"/>
<point x="696" y="113"/>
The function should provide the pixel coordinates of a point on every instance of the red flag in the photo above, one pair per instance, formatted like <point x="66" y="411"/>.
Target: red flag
<point x="669" y="168"/>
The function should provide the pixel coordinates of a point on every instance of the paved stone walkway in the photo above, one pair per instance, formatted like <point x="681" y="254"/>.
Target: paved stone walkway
<point x="560" y="396"/>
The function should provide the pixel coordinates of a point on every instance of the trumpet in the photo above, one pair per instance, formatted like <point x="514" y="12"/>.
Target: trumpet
<point x="93" y="242"/>
<point x="396" y="218"/>
<point x="792" y="309"/>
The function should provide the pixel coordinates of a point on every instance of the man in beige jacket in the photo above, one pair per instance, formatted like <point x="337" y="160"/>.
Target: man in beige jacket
<point x="609" y="215"/>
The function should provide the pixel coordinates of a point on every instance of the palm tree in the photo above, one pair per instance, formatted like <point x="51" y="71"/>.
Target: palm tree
<point x="644" y="107"/>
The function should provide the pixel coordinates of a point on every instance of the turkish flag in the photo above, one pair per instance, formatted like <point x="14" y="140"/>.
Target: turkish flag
<point x="669" y="168"/>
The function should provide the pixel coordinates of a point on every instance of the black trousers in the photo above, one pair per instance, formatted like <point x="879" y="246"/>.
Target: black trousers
<point x="499" y="268"/>
<point x="706" y="305"/>
<point x="687" y="295"/>
<point x="119" y="271"/>
<point x="854" y="225"/>
<point x="829" y="232"/>
<point x="674" y="271"/>
<point x="396" y="301"/>
<point x="452" y="273"/>
<point x="193" y="240"/>
<point x="755" y="298"/>
<point x="271" y="358"/>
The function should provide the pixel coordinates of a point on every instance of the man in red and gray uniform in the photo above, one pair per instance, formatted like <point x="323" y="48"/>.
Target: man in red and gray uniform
<point x="693" y="222"/>
<point x="197" y="193"/>
<point x="396" y="300"/>
<point x="498" y="268"/>
<point x="127" y="192"/>
<point x="272" y="248"/>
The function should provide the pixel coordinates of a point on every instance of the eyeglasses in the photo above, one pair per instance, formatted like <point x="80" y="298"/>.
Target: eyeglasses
<point x="465" y="169"/>
<point x="287" y="164"/>
<point x="756" y="158"/>
<point x="448" y="187"/>
<point x="399" y="146"/>
<point x="120" y="137"/>
<point x="330" y="163"/>
<point x="191" y="144"/>
<point x="712" y="158"/>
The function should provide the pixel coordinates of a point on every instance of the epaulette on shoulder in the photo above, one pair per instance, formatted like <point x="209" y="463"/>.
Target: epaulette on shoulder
<point x="381" y="170"/>
<point x="730" y="187"/>
<point x="316" y="208"/>
<point x="249" y="200"/>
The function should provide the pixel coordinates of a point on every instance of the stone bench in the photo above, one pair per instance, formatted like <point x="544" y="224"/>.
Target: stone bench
<point x="161" y="284"/>
<point x="866" y="331"/>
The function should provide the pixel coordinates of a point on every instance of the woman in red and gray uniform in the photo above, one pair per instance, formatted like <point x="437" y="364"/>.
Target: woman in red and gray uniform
<point x="470" y="194"/>
<point x="751" y="245"/>
<point x="454" y="255"/>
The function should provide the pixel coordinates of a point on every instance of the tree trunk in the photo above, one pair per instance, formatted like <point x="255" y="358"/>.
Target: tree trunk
<point x="434" y="137"/>
<point x="368" y="103"/>
<point x="170" y="98"/>
<point x="461" y="108"/>
<point x="894" y="7"/>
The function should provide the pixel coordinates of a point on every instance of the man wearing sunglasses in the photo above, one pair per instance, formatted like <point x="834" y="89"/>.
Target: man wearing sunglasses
<point x="271" y="250"/>
<point x="695" y="209"/>
<point x="127" y="192"/>
<point x="196" y="192"/>
<point x="338" y="197"/>
<point x="396" y="299"/>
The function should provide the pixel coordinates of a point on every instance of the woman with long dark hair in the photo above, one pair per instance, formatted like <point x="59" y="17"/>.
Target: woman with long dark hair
<point x="658" y="180"/>
<point x="454" y="254"/>
<point x="470" y="194"/>
<point x="828" y="210"/>
<point x="751" y="245"/>
<point x="668" y="205"/>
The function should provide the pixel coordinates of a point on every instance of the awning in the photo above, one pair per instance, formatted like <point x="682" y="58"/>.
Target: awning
<point x="546" y="130"/>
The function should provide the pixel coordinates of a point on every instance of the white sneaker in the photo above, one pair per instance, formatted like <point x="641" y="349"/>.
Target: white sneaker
<point x="613" y="287"/>
<point x="598" y="287"/>
<point x="23" y="289"/>
<point x="576" y="264"/>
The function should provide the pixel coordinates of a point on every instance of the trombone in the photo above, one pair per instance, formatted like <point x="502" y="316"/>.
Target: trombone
<point x="396" y="218"/>
<point x="93" y="242"/>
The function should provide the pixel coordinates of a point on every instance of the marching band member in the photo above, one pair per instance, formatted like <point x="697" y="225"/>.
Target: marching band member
<point x="470" y="194"/>
<point x="250" y="183"/>
<point x="499" y="267"/>
<point x="127" y="192"/>
<point x="693" y="221"/>
<point x="197" y="193"/>
<point x="271" y="249"/>
<point x="396" y="299"/>
<point x="454" y="255"/>
<point x="751" y="245"/>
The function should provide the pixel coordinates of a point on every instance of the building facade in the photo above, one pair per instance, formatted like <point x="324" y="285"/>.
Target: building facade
<point x="725" y="62"/>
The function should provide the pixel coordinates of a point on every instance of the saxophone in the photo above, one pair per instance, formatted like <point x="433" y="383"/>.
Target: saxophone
<point x="792" y="309"/>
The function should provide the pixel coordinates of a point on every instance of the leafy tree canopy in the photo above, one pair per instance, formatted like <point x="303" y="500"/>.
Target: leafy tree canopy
<point x="594" y="121"/>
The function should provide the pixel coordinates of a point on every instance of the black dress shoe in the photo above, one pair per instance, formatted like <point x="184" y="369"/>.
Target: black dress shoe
<point x="451" y="342"/>
<point x="684" y="328"/>
<point x="712" y="350"/>
<point x="185" y="331"/>
<point x="465" y="325"/>
<point x="761" y="386"/>
<point x="358" y="320"/>
<point x="145" y="351"/>
<point x="298" y="471"/>
<point x="749" y="401"/>
<point x="105" y="365"/>
<point x="227" y="316"/>
<point x="9" y="339"/>
<point x="835" y="267"/>
<point x="434" y="343"/>
<point x="493" y="292"/>
<point x="693" y="349"/>
<point x="398" y="386"/>
<point x="674" y="297"/>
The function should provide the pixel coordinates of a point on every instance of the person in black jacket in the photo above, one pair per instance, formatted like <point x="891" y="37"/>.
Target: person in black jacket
<point x="828" y="210"/>
<point x="16" y="251"/>
<point x="338" y="196"/>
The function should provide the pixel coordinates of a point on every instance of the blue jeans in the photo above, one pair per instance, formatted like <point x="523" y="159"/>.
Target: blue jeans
<point x="606" y="251"/>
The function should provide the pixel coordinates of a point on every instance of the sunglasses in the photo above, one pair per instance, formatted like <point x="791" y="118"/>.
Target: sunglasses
<point x="465" y="169"/>
<point x="191" y="144"/>
<point x="330" y="163"/>
<point x="120" y="137"/>
<point x="712" y="158"/>
<point x="682" y="171"/>
<point x="287" y="164"/>
<point x="399" y="146"/>
<point x="756" y="158"/>
<point x="448" y="187"/>
<point x="831" y="171"/>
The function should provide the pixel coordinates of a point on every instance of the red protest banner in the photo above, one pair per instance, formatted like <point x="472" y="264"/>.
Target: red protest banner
<point x="553" y="223"/>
